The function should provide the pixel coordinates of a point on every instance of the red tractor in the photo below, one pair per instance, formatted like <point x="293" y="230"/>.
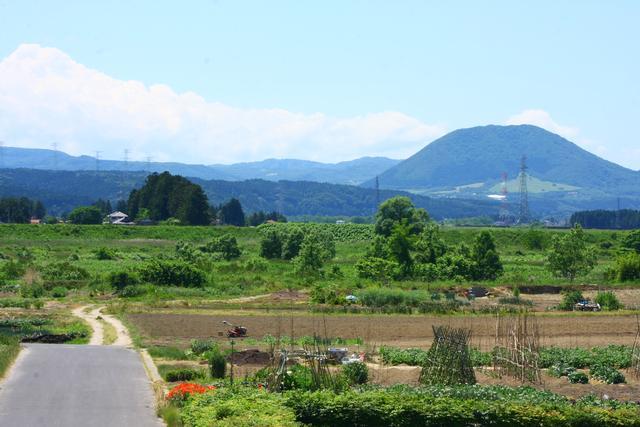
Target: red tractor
<point x="235" y="331"/>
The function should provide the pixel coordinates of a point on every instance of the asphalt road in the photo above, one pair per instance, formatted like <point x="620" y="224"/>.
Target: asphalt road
<point x="77" y="385"/>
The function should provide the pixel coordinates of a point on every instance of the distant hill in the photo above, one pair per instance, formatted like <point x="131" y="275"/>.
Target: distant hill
<point x="61" y="191"/>
<point x="351" y="172"/>
<point x="469" y="163"/>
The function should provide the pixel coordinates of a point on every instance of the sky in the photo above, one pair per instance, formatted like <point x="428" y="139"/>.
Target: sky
<point x="228" y="81"/>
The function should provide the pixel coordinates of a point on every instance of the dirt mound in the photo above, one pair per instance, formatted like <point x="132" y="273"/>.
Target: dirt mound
<point x="250" y="357"/>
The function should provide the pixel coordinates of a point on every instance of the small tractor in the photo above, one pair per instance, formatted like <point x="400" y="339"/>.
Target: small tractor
<point x="235" y="331"/>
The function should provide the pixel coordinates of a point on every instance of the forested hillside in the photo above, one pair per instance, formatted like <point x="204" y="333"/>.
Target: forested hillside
<point x="61" y="191"/>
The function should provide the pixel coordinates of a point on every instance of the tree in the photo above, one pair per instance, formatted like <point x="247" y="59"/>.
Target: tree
<point x="231" y="213"/>
<point x="291" y="242"/>
<point x="487" y="265"/>
<point x="430" y="246"/>
<point x="400" y="244"/>
<point x="271" y="245"/>
<point x="86" y="215"/>
<point x="121" y="206"/>
<point x="38" y="210"/>
<point x="226" y="245"/>
<point x="400" y="210"/>
<point x="632" y="241"/>
<point x="309" y="261"/>
<point x="170" y="196"/>
<point x="570" y="256"/>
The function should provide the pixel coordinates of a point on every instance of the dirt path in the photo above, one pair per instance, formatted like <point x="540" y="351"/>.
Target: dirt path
<point x="97" y="337"/>
<point x="93" y="317"/>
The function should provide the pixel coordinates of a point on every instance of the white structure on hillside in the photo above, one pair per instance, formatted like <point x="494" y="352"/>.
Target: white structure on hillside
<point x="119" y="218"/>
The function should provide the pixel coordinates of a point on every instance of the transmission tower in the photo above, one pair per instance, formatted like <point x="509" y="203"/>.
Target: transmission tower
<point x="503" y="215"/>
<point x="149" y="158"/>
<point x="98" y="160"/>
<point x="1" y="154"/>
<point x="524" y="193"/>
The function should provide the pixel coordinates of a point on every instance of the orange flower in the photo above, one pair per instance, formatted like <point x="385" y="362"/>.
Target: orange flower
<point x="183" y="390"/>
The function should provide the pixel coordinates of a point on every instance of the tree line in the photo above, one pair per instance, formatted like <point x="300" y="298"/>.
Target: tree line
<point x="625" y="219"/>
<point x="20" y="209"/>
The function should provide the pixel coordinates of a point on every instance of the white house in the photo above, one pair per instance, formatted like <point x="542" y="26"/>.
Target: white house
<point x="119" y="218"/>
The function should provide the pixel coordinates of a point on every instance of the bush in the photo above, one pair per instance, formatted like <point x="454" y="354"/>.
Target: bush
<point x="271" y="245"/>
<point x="104" y="254"/>
<point x="64" y="271"/>
<point x="173" y="273"/>
<point x="628" y="267"/>
<point x="202" y="346"/>
<point x="122" y="279"/>
<point x="59" y="292"/>
<point x="226" y="245"/>
<point x="32" y="290"/>
<point x="356" y="373"/>
<point x="608" y="301"/>
<point x="184" y="374"/>
<point x="217" y="364"/>
<point x="133" y="291"/>
<point x="578" y="378"/>
<point x="570" y="299"/>
<point x="607" y="374"/>
<point x="12" y="269"/>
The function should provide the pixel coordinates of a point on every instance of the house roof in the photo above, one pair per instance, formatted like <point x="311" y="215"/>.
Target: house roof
<point x="118" y="214"/>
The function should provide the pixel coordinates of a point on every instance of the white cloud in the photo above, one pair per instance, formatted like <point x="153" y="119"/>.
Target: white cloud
<point x="45" y="96"/>
<point x="544" y="120"/>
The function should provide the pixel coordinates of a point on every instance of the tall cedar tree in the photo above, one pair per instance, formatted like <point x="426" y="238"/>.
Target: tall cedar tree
<point x="20" y="209"/>
<point x="170" y="196"/>
<point x="231" y="213"/>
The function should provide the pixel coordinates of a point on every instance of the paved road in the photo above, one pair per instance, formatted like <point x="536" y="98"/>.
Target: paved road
<point x="77" y="385"/>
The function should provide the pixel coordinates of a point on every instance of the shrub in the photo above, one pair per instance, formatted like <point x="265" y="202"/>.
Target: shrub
<point x="256" y="265"/>
<point x="59" y="292"/>
<point x="202" y="346"/>
<point x="357" y="373"/>
<point x="183" y="374"/>
<point x="217" y="364"/>
<point x="382" y="297"/>
<point x="271" y="245"/>
<point x="570" y="299"/>
<point x="12" y="269"/>
<point x="226" y="245"/>
<point x="628" y="267"/>
<point x="173" y="273"/>
<point x="375" y="268"/>
<point x="180" y="393"/>
<point x="32" y="290"/>
<point x="64" y="271"/>
<point x="104" y="254"/>
<point x="133" y="291"/>
<point x="608" y="301"/>
<point x="167" y="352"/>
<point x="122" y="279"/>
<point x="578" y="378"/>
<point x="607" y="374"/>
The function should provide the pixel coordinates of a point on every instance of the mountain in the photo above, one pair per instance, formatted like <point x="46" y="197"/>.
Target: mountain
<point x="61" y="191"/>
<point x="351" y="172"/>
<point x="470" y="162"/>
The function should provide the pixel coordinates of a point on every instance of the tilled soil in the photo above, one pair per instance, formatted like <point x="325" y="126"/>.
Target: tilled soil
<point x="399" y="330"/>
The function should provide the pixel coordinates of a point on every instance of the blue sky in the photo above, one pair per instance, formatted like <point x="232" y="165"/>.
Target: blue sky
<point x="328" y="80"/>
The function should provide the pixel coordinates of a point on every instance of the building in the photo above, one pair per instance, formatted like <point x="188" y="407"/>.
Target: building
<point x="119" y="218"/>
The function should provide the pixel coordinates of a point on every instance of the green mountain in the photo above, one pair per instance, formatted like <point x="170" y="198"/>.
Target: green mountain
<point x="470" y="162"/>
<point x="352" y="172"/>
<point x="61" y="191"/>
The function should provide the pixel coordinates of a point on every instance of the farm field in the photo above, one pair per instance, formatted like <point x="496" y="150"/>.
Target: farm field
<point x="162" y="328"/>
<point x="173" y="288"/>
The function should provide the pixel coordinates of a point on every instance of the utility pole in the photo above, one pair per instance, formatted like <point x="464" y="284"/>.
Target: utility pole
<point x="524" y="192"/>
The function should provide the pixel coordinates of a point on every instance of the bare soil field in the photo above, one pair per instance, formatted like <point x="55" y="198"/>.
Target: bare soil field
<point x="572" y="330"/>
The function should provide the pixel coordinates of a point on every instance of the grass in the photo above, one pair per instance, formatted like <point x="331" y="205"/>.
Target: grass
<point x="9" y="349"/>
<point x="109" y="333"/>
